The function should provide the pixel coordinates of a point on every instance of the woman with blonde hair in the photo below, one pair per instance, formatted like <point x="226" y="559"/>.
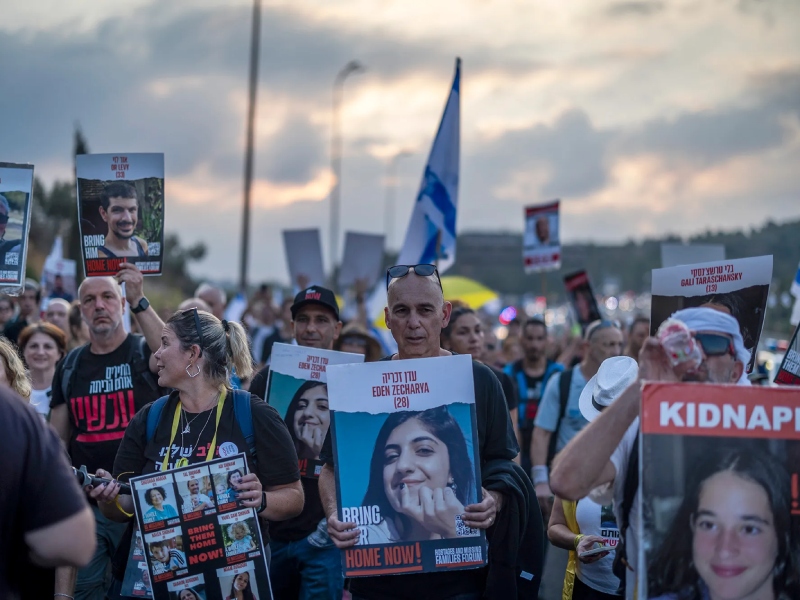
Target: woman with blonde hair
<point x="12" y="371"/>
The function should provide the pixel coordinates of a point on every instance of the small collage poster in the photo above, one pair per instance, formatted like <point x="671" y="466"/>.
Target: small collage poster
<point x="16" y="190"/>
<point x="405" y="439"/>
<point x="197" y="541"/>
<point x="582" y="298"/>
<point x="720" y="495"/>
<point x="298" y="390"/>
<point x="541" y="245"/>
<point x="789" y="371"/>
<point x="121" y="211"/>
<point x="739" y="287"/>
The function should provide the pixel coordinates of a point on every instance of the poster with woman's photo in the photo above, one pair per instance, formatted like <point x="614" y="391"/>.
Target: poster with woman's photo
<point x="405" y="445"/>
<point x="541" y="246"/>
<point x="738" y="287"/>
<point x="16" y="190"/>
<point x="136" y="582"/>
<point x="208" y="533"/>
<point x="298" y="390"/>
<point x="121" y="211"/>
<point x="720" y="497"/>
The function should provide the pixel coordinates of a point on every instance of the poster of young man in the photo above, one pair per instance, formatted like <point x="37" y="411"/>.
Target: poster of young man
<point x="737" y="287"/>
<point x="405" y="441"/>
<point x="298" y="390"/>
<point x="582" y="298"/>
<point x="789" y="371"/>
<point x="721" y="509"/>
<point x="59" y="279"/>
<point x="185" y="554"/>
<point x="16" y="189"/>
<point x="541" y="245"/>
<point x="121" y="211"/>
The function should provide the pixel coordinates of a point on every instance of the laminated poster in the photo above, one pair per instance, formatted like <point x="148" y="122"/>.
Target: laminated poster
<point x="789" y="371"/>
<point x="739" y="287"/>
<point x="16" y="190"/>
<point x="196" y="536"/>
<point x="121" y="211"/>
<point x="582" y="298"/>
<point x="541" y="246"/>
<point x="298" y="390"/>
<point x="404" y="433"/>
<point x="720" y="493"/>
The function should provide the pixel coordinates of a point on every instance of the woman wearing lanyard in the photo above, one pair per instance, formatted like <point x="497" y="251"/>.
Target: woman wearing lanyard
<point x="197" y="354"/>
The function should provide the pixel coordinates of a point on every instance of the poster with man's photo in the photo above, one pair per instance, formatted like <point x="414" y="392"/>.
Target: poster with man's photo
<point x="406" y="446"/>
<point x="16" y="190"/>
<point x="738" y="287"/>
<point x="299" y="392"/>
<point x="197" y="539"/>
<point x="789" y="371"/>
<point x="541" y="246"/>
<point x="720" y="497"/>
<point x="121" y="211"/>
<point x="582" y="298"/>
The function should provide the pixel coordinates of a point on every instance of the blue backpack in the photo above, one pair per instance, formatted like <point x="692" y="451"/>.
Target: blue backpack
<point x="241" y="409"/>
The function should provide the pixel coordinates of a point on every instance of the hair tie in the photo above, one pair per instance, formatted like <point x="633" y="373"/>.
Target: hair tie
<point x="226" y="326"/>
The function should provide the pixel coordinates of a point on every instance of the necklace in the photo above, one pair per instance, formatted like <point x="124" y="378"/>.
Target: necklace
<point x="197" y="441"/>
<point x="185" y="419"/>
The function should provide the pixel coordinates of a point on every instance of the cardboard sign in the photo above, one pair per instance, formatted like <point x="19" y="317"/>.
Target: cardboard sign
<point x="363" y="259"/>
<point x="121" y="211"/>
<point x="196" y="535"/>
<point x="541" y="245"/>
<point x="16" y="190"/>
<point x="582" y="298"/>
<point x="739" y="287"/>
<point x="387" y="416"/>
<point x="789" y="371"/>
<point x="304" y="256"/>
<point x="298" y="391"/>
<point x="719" y="482"/>
<point x="674" y="255"/>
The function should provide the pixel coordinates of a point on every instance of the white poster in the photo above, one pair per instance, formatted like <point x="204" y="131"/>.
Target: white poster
<point x="363" y="259"/>
<point x="304" y="257"/>
<point x="542" y="244"/>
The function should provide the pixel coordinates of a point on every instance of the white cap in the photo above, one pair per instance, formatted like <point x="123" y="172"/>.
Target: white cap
<point x="612" y="378"/>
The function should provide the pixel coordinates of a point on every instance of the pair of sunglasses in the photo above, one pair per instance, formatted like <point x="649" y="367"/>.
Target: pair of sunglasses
<point x="715" y="345"/>
<point x="399" y="271"/>
<point x="197" y="326"/>
<point x="596" y="326"/>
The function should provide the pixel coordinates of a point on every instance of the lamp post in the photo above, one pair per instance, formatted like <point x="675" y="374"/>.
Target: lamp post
<point x="336" y="158"/>
<point x="391" y="189"/>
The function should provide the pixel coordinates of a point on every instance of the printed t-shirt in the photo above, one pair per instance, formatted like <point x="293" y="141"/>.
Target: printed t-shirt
<point x="496" y="440"/>
<point x="572" y="421"/>
<point x="104" y="396"/>
<point x="40" y="400"/>
<point x="37" y="489"/>
<point x="509" y="389"/>
<point x="594" y="519"/>
<point x="258" y="385"/>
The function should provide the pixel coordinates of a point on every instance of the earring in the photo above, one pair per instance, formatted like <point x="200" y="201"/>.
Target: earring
<point x="452" y="485"/>
<point x="189" y="373"/>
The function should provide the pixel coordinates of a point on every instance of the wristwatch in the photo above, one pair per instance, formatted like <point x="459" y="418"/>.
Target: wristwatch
<point x="263" y="502"/>
<point x="143" y="305"/>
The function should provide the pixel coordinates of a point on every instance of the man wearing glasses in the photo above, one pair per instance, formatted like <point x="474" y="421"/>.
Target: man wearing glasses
<point x="416" y="315"/>
<point x="602" y="457"/>
<point x="107" y="381"/>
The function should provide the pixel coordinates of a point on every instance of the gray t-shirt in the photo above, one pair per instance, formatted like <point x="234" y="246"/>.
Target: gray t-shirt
<point x="572" y="421"/>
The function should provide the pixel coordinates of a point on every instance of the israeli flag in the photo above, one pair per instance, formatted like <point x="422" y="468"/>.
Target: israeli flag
<point x="431" y="235"/>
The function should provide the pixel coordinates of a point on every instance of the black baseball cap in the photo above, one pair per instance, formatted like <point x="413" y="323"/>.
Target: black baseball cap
<point x="317" y="295"/>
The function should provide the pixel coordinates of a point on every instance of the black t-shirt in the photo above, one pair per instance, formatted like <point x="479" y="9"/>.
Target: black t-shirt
<point x="509" y="388"/>
<point x="37" y="489"/>
<point x="275" y="453"/>
<point x="105" y="395"/>
<point x="496" y="440"/>
<point x="258" y="385"/>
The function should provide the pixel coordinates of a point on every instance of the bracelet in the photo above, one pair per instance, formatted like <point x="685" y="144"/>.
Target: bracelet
<point x="64" y="595"/>
<point x="578" y="539"/>
<point x="540" y="474"/>
<point x="122" y="510"/>
<point x="263" y="502"/>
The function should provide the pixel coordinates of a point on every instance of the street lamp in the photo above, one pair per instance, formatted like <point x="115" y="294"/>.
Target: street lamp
<point x="336" y="157"/>
<point x="391" y="188"/>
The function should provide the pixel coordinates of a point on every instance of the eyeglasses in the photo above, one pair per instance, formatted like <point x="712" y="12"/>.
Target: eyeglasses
<point x="3" y="219"/>
<point x="197" y="325"/>
<point x="715" y="345"/>
<point x="399" y="271"/>
<point x="596" y="326"/>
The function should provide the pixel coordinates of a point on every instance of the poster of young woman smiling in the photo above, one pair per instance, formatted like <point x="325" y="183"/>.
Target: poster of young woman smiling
<point x="298" y="390"/>
<point x="404" y="436"/>
<point x="720" y="497"/>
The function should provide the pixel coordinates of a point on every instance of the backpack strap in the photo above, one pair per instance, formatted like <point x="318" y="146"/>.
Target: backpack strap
<point x="154" y="416"/>
<point x="244" y="417"/>
<point x="564" y="385"/>
<point x="69" y="369"/>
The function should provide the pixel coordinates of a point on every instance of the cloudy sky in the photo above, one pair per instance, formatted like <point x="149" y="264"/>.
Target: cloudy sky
<point x="644" y="117"/>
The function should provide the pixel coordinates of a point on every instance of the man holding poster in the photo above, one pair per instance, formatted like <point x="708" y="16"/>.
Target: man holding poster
<point x="416" y="314"/>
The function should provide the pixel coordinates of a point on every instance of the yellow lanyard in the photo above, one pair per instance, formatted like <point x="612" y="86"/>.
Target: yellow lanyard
<point x="183" y="462"/>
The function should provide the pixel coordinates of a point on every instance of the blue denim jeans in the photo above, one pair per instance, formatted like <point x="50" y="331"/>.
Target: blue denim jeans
<point x="301" y="571"/>
<point x="92" y="581"/>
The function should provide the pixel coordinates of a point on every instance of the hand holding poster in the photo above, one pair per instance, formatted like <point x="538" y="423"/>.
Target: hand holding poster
<point x="405" y="441"/>
<point x="298" y="391"/>
<point x="16" y="189"/>
<point x="737" y="287"/>
<point x="121" y="211"/>
<point x="720" y="487"/>
<point x="541" y="244"/>
<point x="196" y="535"/>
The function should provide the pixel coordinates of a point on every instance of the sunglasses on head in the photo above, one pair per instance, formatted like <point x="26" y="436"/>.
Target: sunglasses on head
<point x="197" y="325"/>
<point x="3" y="219"/>
<point x="715" y="345"/>
<point x="399" y="271"/>
<point x="596" y="326"/>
